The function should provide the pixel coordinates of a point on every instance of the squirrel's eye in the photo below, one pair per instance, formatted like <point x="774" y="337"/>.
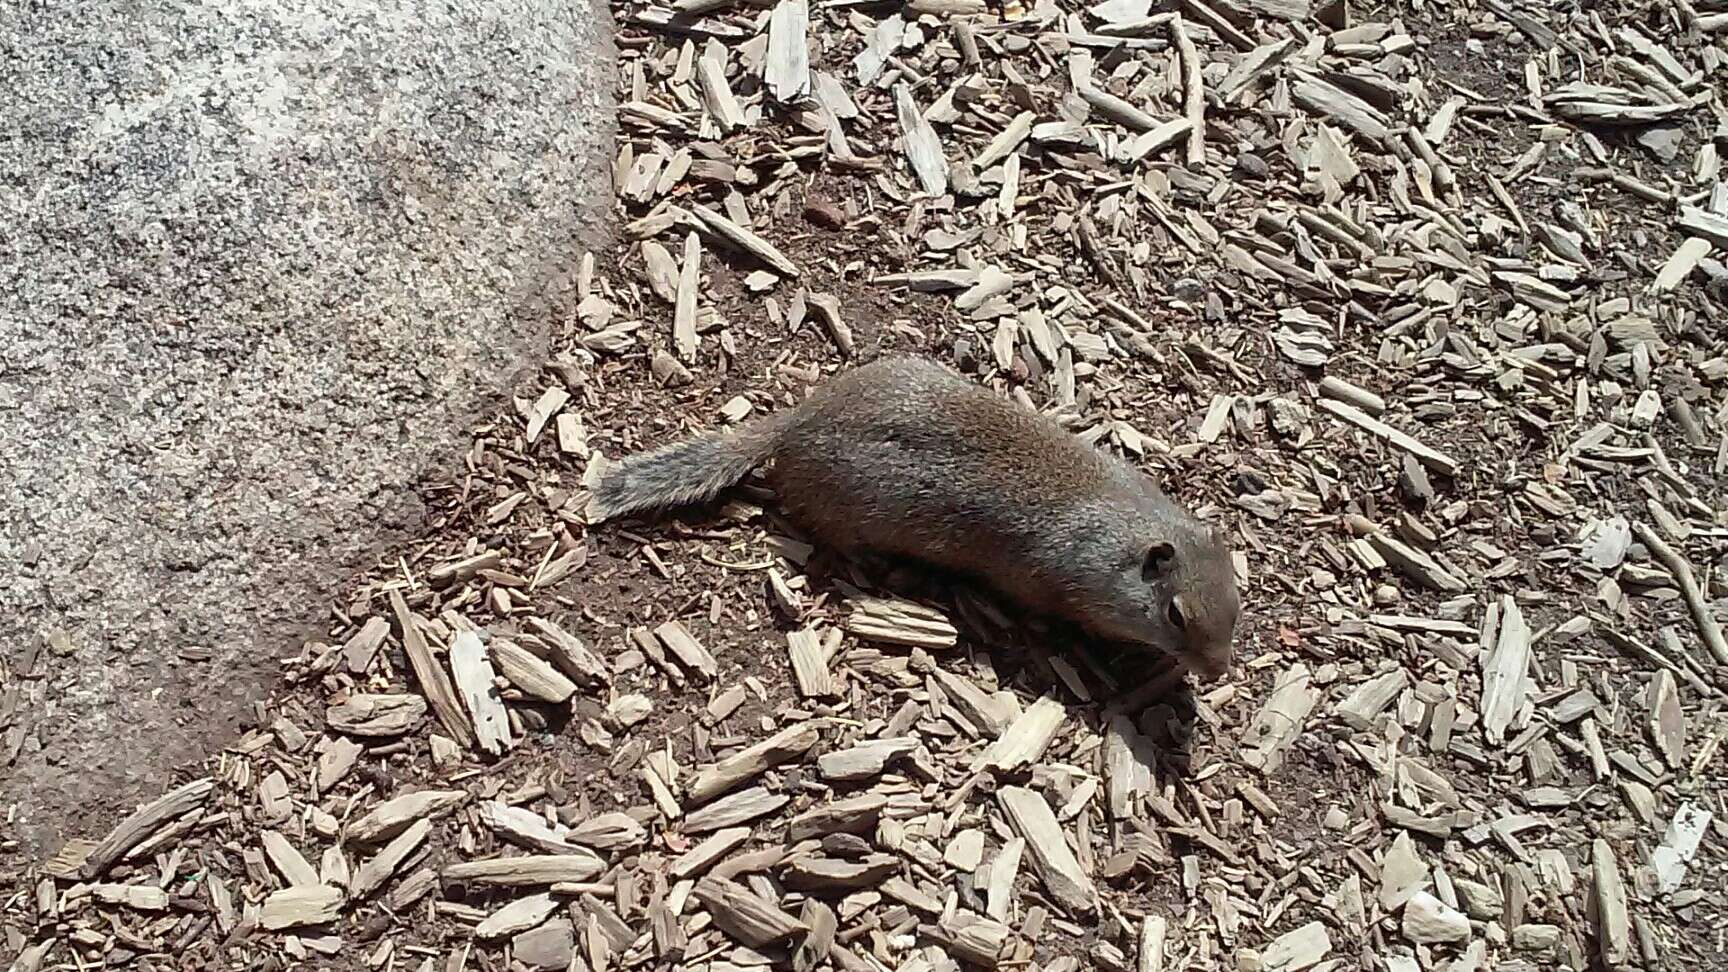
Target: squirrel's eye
<point x="1176" y="617"/>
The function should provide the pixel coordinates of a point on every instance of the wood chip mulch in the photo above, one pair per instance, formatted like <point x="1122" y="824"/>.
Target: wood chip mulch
<point x="1428" y="304"/>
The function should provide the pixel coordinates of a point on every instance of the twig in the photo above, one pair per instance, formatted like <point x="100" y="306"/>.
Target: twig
<point x="1708" y="629"/>
<point x="1194" y="103"/>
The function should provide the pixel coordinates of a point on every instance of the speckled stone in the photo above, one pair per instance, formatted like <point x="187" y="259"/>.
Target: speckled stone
<point x="262" y="265"/>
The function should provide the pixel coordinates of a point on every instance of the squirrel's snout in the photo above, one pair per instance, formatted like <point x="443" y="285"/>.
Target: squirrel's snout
<point x="1208" y="666"/>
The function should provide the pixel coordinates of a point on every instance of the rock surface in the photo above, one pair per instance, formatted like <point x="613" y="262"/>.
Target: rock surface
<point x="263" y="265"/>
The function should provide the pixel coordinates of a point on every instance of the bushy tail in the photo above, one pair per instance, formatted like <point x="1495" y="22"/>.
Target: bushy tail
<point x="686" y="473"/>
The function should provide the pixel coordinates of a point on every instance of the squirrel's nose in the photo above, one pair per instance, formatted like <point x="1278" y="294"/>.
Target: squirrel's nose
<point x="1207" y="667"/>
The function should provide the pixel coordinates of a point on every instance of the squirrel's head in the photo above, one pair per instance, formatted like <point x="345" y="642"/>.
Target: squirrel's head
<point x="1176" y="591"/>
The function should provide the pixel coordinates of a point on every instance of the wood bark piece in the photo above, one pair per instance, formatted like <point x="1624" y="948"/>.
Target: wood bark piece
<point x="530" y="870"/>
<point x="1003" y="873"/>
<point x="1025" y="740"/>
<point x="1680" y="264"/>
<point x="921" y="144"/>
<point x="1667" y="719"/>
<point x="143" y="823"/>
<point x="827" y="875"/>
<point x="525" y="828"/>
<point x="1218" y="24"/>
<point x="786" y="70"/>
<point x="745" y="240"/>
<point x="1415" y="564"/>
<point x="827" y="308"/>
<point x="810" y="665"/>
<point x="986" y="711"/>
<point x="374" y="715"/>
<point x="1006" y="141"/>
<point x="684" y="302"/>
<point x="896" y="621"/>
<point x="1194" y="90"/>
<point x="1279" y="720"/>
<point x="687" y="649"/>
<point x="1129" y="759"/>
<point x="1248" y="71"/>
<point x="288" y="861"/>
<point x="1119" y="110"/>
<point x="138" y="897"/>
<point x="1703" y="223"/>
<point x="1430" y="457"/>
<point x="717" y="94"/>
<point x="1326" y="99"/>
<point x="534" y="676"/>
<point x="973" y="938"/>
<point x="518" y="916"/>
<point x="1505" y="673"/>
<point x="738" y="808"/>
<point x="547" y="405"/>
<point x="1057" y="867"/>
<point x="744" y="916"/>
<point x="1613" y="923"/>
<point x="434" y="683"/>
<point x="1156" y="140"/>
<point x="819" y="941"/>
<point x="358" y="653"/>
<point x="864" y="761"/>
<point x="851" y="815"/>
<point x="570" y="655"/>
<point x="1154" y="930"/>
<point x="717" y="846"/>
<point x="393" y="816"/>
<point x="1364" y="703"/>
<point x="372" y="874"/>
<point x="745" y="765"/>
<point x="614" y="831"/>
<point x="299" y="907"/>
<point x="1300" y="948"/>
<point x="475" y="680"/>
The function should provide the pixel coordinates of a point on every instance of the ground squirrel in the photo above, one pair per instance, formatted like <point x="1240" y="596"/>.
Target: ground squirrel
<point x="904" y="457"/>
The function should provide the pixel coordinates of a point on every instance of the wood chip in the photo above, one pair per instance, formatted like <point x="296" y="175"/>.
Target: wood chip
<point x="687" y="649"/>
<point x="787" y="71"/>
<point x="434" y="683"/>
<point x="471" y="668"/>
<point x="921" y="144"/>
<point x="569" y="654"/>
<point x="1279" y="720"/>
<point x="373" y="873"/>
<point x="518" y="916"/>
<point x="298" y="907"/>
<point x="899" y="622"/>
<point x="744" y="916"/>
<point x="745" y="765"/>
<point x="532" y="675"/>
<point x="532" y="870"/>
<point x="363" y="714"/>
<point x="1057" y="867"/>
<point x="745" y="240"/>
<point x="1432" y="458"/>
<point x="1505" y="673"/>
<point x="810" y="665"/>
<point x="144" y="822"/>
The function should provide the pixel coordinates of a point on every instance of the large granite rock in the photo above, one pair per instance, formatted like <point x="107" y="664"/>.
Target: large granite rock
<point x="261" y="264"/>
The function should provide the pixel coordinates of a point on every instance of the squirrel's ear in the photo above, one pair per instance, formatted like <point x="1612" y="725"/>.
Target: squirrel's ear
<point x="1159" y="558"/>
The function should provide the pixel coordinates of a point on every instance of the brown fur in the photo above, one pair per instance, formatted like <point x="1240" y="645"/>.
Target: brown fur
<point x="904" y="457"/>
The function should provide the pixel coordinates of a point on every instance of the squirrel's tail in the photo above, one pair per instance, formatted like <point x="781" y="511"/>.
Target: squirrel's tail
<point x="686" y="473"/>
